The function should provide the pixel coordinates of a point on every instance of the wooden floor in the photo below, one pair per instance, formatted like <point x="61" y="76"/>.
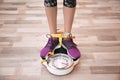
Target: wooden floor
<point x="23" y="29"/>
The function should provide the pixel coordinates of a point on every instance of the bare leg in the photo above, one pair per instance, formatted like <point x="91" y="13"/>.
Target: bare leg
<point x="68" y="18"/>
<point x="51" y="13"/>
<point x="69" y="11"/>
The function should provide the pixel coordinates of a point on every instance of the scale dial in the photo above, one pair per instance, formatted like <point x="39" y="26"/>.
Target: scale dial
<point x="60" y="61"/>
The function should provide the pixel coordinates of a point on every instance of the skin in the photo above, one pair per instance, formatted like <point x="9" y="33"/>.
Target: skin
<point x="51" y="13"/>
<point x="68" y="18"/>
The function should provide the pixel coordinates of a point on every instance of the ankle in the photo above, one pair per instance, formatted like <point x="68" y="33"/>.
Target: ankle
<point x="67" y="34"/>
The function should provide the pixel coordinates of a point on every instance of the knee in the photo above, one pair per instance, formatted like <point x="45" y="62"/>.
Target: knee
<point x="70" y="3"/>
<point x="50" y="3"/>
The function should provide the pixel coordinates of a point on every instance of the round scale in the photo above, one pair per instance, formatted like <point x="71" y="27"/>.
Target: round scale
<point x="60" y="63"/>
